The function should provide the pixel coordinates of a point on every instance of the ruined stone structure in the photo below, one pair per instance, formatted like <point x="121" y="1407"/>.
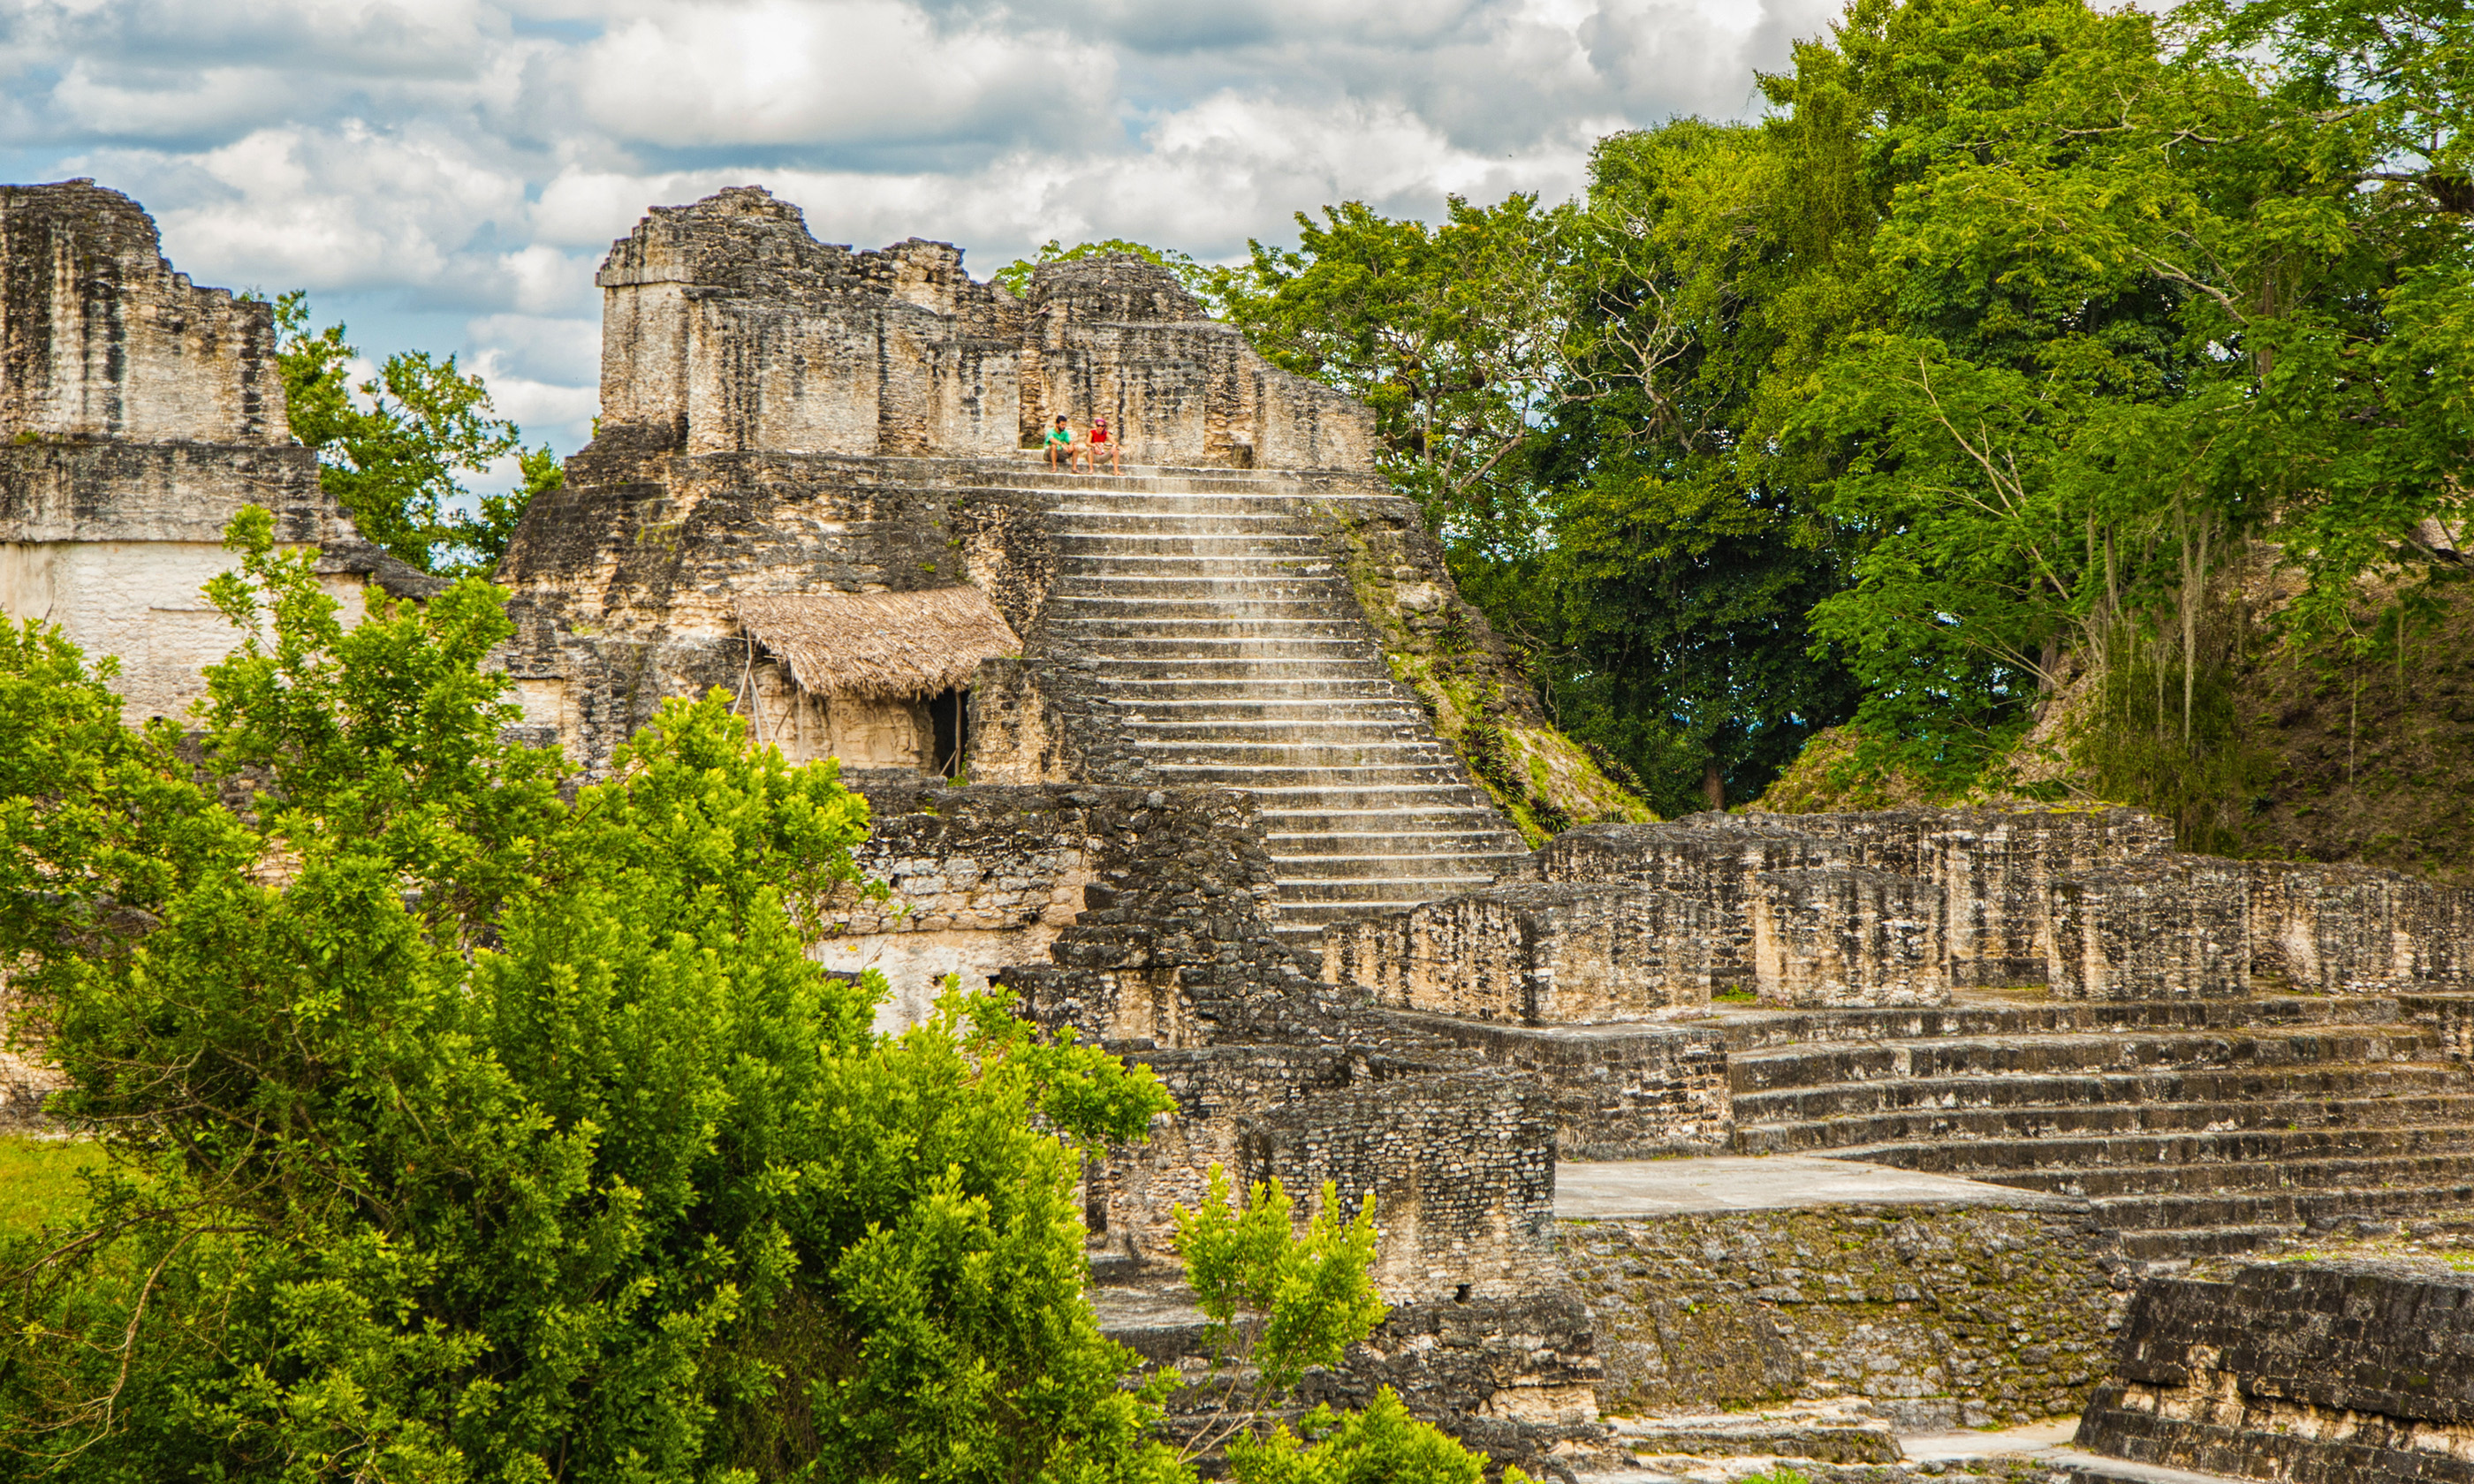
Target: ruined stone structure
<point x="138" y="413"/>
<point x="1178" y="759"/>
<point x="2315" y="1372"/>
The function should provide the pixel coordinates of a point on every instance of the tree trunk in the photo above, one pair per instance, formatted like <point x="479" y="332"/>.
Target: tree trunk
<point x="1713" y="785"/>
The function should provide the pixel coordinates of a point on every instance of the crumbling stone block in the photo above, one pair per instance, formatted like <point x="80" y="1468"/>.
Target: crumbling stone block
<point x="1461" y="1166"/>
<point x="2152" y="932"/>
<point x="2352" y="929"/>
<point x="2350" y="1371"/>
<point x="1535" y="954"/>
<point x="1846" y="937"/>
<point x="1941" y="1316"/>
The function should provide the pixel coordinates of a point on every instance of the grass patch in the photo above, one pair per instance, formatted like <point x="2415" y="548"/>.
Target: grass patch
<point x="39" y="1183"/>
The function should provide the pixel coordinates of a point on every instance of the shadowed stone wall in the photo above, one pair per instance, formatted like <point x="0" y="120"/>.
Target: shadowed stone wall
<point x="2317" y="1373"/>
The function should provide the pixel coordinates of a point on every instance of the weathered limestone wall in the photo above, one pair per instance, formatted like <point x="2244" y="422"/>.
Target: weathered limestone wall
<point x="99" y="339"/>
<point x="1620" y="1091"/>
<point x="2313" y="1372"/>
<point x="1513" y="1377"/>
<point x="1141" y="919"/>
<point x="1461" y="1166"/>
<point x="728" y="328"/>
<point x="1895" y="909"/>
<point x="1533" y="954"/>
<point x="1943" y="1316"/>
<point x="138" y="413"/>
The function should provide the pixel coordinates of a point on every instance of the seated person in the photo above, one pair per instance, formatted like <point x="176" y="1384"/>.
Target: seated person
<point x="1061" y="446"/>
<point x="1098" y="443"/>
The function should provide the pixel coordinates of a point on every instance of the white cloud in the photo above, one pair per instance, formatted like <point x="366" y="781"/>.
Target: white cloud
<point x="468" y="161"/>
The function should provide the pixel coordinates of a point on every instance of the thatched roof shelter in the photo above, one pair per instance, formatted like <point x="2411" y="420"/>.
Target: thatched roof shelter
<point x="888" y="645"/>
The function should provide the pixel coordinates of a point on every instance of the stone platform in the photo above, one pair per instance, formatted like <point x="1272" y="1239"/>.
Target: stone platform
<point x="1616" y="1190"/>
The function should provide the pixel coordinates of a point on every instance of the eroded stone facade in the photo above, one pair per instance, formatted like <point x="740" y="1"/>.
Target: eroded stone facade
<point x="138" y="414"/>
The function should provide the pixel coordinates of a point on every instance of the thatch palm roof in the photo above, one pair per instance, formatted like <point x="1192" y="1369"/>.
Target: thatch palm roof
<point x="888" y="645"/>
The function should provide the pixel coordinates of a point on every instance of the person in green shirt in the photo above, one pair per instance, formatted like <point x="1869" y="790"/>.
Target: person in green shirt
<point x="1061" y="446"/>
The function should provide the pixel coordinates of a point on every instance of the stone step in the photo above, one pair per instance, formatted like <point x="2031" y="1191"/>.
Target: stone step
<point x="2040" y="1121"/>
<point x="2366" y="1172"/>
<point x="1220" y="634"/>
<point x="1803" y="1027"/>
<point x="1337" y="727"/>
<point x="1248" y="683"/>
<point x="1488" y="864"/>
<point x="1222" y="543"/>
<point x="1992" y="1056"/>
<point x="2298" y="1085"/>
<point x="2084" y="1468"/>
<point x="1490" y="844"/>
<point x="1324" y="709"/>
<point x="1231" y="520"/>
<point x="1282" y="606"/>
<point x="2183" y="1243"/>
<point x="1388" y="888"/>
<point x="1314" y="913"/>
<point x="2169" y="1157"/>
<point x="1249" y="582"/>
<point x="2283" y="1208"/>
<point x="1242" y="648"/>
<point x="1293" y="752"/>
<point x="1216" y="623"/>
<point x="1264" y="677"/>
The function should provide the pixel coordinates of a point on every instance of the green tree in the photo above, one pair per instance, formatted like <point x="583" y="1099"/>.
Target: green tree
<point x="1684" y="558"/>
<point x="393" y="449"/>
<point x="461" y="1131"/>
<point x="1194" y="277"/>
<point x="1451" y="333"/>
<point x="1280" y="1304"/>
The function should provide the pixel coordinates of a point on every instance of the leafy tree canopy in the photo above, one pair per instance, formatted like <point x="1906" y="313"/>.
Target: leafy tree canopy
<point x="393" y="449"/>
<point x="1960" y="376"/>
<point x="1194" y="277"/>
<point x="462" y="1127"/>
<point x="460" y="1131"/>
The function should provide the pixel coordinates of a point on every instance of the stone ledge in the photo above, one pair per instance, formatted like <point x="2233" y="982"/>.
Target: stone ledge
<point x="1619" y="1189"/>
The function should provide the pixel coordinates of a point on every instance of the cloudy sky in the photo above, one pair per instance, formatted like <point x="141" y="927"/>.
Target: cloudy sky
<point x="446" y="174"/>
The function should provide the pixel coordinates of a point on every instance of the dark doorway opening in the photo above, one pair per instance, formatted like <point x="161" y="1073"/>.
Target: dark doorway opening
<point x="951" y="714"/>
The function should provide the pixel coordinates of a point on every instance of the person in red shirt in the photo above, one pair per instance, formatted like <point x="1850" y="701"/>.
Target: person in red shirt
<point x="1096" y="443"/>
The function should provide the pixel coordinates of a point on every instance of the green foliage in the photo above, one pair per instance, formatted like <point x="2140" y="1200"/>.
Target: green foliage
<point x="1449" y="332"/>
<point x="458" y="1130"/>
<point x="393" y="449"/>
<point x="1379" y="1445"/>
<point x="1194" y="277"/>
<point x="1279" y="1303"/>
<point x="1978" y="359"/>
<point x="43" y="1183"/>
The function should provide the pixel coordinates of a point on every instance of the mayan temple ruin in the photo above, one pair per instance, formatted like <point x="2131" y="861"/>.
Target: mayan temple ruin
<point x="1842" y="1140"/>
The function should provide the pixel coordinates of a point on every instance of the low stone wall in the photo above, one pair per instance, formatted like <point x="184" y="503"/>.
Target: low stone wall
<point x="1131" y="1191"/>
<point x="1631" y="1093"/>
<point x="1898" y="907"/>
<point x="2171" y="931"/>
<point x="2312" y="1372"/>
<point x="1533" y="954"/>
<point x="1941" y="1315"/>
<point x="1513" y="1378"/>
<point x="1461" y="1166"/>
<point x="1846" y="937"/>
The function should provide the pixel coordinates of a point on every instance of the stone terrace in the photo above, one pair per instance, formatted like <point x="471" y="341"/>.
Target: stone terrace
<point x="2209" y="1052"/>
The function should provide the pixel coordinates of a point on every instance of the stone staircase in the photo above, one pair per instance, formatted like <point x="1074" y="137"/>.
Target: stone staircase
<point x="2193" y="1127"/>
<point x="1227" y="648"/>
